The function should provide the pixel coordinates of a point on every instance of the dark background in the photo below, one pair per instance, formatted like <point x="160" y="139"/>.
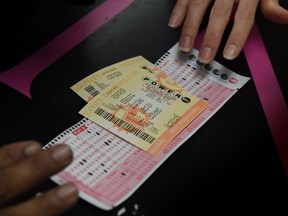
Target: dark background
<point x="230" y="165"/>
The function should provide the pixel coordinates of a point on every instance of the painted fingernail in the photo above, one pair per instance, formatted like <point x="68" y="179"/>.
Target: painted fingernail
<point x="230" y="52"/>
<point x="205" y="54"/>
<point x="173" y="21"/>
<point x="67" y="191"/>
<point x="185" y="44"/>
<point x="62" y="154"/>
<point x="32" y="149"/>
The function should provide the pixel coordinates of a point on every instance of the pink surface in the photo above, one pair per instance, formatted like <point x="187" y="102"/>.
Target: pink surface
<point x="269" y="92"/>
<point x="268" y="89"/>
<point x="21" y="76"/>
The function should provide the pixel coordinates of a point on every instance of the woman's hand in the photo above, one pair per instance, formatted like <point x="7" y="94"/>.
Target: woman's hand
<point x="190" y="13"/>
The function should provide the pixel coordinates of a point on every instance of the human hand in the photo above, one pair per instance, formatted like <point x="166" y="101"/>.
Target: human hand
<point x="191" y="12"/>
<point x="23" y="165"/>
<point x="274" y="12"/>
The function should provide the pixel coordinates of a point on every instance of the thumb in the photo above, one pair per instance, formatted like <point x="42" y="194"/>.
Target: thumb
<point x="274" y="12"/>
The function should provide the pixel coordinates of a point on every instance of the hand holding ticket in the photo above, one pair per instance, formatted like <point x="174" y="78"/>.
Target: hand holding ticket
<point x="146" y="109"/>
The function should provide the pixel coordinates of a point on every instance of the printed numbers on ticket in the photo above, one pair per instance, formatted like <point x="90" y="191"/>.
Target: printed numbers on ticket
<point x="93" y="84"/>
<point x="146" y="109"/>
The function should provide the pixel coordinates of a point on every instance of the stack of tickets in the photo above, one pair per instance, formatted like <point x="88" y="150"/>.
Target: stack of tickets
<point x="138" y="102"/>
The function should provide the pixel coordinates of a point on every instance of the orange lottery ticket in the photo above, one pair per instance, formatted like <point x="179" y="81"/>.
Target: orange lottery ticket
<point x="146" y="109"/>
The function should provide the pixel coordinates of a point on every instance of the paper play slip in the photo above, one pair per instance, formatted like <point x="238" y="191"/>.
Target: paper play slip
<point x="146" y="109"/>
<point x="93" y="84"/>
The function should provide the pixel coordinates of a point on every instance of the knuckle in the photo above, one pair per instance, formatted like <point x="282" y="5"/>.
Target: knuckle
<point x="213" y="37"/>
<point x="245" y="13"/>
<point x="197" y="2"/>
<point x="220" y="10"/>
<point x="239" y="35"/>
<point x="189" y="27"/>
<point x="182" y="3"/>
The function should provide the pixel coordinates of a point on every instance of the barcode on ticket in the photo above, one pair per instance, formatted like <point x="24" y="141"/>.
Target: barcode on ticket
<point x="124" y="125"/>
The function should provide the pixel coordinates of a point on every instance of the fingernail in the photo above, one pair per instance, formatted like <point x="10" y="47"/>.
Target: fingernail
<point x="173" y="21"/>
<point x="32" y="149"/>
<point x="185" y="43"/>
<point x="62" y="154"/>
<point x="205" y="55"/>
<point x="67" y="191"/>
<point x="230" y="52"/>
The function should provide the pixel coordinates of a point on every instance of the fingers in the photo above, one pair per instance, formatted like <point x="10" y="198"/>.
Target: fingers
<point x="53" y="202"/>
<point x="30" y="171"/>
<point x="190" y="13"/>
<point x="218" y="20"/>
<point x="178" y="13"/>
<point x="243" y="22"/>
<point x="274" y="12"/>
<point x="14" y="152"/>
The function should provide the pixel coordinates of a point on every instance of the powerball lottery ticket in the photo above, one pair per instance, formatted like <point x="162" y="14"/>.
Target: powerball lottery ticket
<point x="93" y="84"/>
<point x="106" y="168"/>
<point x="145" y="109"/>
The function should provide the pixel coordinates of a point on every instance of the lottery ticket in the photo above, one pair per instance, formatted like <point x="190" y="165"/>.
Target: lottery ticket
<point x="145" y="109"/>
<point x="106" y="168"/>
<point x="93" y="84"/>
